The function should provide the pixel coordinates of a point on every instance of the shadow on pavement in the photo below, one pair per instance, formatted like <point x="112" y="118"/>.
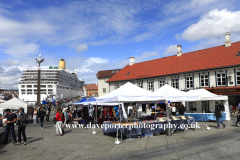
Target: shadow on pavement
<point x="68" y="131"/>
<point x="34" y="140"/>
<point x="3" y="151"/>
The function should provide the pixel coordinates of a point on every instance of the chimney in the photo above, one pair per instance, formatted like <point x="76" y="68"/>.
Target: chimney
<point x="179" y="50"/>
<point x="132" y="61"/>
<point x="227" y="41"/>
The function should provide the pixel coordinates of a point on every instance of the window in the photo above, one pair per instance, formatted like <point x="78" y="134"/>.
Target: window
<point x="189" y="81"/>
<point x="29" y="86"/>
<point x="140" y="83"/>
<point x="112" y="71"/>
<point x="204" y="80"/>
<point x="29" y="91"/>
<point x="175" y="82"/>
<point x="150" y="85"/>
<point x="116" y="85"/>
<point x="104" y="90"/>
<point x="221" y="78"/>
<point x="50" y="91"/>
<point x="161" y="82"/>
<point x="238" y="76"/>
<point x="116" y="72"/>
<point x="128" y="73"/>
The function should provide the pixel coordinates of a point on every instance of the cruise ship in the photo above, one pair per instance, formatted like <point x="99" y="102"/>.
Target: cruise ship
<point x="56" y="83"/>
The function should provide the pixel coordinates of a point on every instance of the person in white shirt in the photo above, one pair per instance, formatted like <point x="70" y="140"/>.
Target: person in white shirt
<point x="173" y="109"/>
<point x="149" y="111"/>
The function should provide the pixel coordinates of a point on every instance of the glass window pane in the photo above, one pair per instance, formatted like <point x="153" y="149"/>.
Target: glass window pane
<point x="206" y="83"/>
<point x="219" y="83"/>
<point x="218" y="75"/>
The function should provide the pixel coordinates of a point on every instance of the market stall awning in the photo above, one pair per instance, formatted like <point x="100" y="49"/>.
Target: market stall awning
<point x="204" y="95"/>
<point x="172" y="94"/>
<point x="129" y="93"/>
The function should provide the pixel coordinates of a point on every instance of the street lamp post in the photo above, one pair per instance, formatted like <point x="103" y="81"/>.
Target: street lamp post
<point x="39" y="61"/>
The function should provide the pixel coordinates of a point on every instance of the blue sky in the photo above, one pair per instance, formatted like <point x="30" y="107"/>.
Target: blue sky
<point x="101" y="35"/>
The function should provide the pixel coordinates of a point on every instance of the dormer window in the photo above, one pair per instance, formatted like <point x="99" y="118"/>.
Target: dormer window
<point x="128" y="73"/>
<point x="112" y="71"/>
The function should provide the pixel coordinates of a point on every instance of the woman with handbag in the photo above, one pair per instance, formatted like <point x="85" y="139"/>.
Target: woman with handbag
<point x="22" y="122"/>
<point x="59" y="121"/>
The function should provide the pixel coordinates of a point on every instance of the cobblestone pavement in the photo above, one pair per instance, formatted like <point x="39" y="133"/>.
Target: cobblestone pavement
<point x="82" y="144"/>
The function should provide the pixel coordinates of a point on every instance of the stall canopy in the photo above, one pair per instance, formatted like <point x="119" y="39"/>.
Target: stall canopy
<point x="44" y="102"/>
<point x="171" y="94"/>
<point x="204" y="95"/>
<point x="14" y="103"/>
<point x="129" y="93"/>
<point x="78" y="103"/>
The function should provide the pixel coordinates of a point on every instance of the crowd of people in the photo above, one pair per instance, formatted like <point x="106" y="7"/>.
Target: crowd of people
<point x="65" y="114"/>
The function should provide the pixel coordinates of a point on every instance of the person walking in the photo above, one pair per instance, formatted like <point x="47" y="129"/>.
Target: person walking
<point x="47" y="115"/>
<point x="41" y="115"/>
<point x="59" y="121"/>
<point x="22" y="123"/>
<point x="11" y="119"/>
<point x="218" y="115"/>
<point x="35" y="116"/>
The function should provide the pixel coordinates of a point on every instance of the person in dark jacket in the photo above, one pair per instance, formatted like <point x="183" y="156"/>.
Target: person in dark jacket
<point x="218" y="115"/>
<point x="11" y="119"/>
<point x="41" y="115"/>
<point x="181" y="109"/>
<point x="22" y="123"/>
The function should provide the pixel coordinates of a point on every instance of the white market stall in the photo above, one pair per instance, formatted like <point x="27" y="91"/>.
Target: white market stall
<point x="128" y="93"/>
<point x="204" y="96"/>
<point x="14" y="104"/>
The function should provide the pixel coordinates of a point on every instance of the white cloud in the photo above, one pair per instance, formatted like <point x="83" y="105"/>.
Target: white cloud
<point x="19" y="50"/>
<point x="213" y="24"/>
<point x="81" y="47"/>
<point x="170" y="50"/>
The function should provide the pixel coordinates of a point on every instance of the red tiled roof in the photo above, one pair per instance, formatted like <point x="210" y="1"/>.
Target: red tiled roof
<point x="107" y="73"/>
<point x="215" y="57"/>
<point x="92" y="87"/>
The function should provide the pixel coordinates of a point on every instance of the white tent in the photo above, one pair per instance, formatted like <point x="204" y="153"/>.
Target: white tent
<point x="204" y="95"/>
<point x="13" y="103"/>
<point x="95" y="102"/>
<point x="129" y="93"/>
<point x="171" y="94"/>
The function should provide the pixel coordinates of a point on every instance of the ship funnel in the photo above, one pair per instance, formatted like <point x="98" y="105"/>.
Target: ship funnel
<point x="61" y="64"/>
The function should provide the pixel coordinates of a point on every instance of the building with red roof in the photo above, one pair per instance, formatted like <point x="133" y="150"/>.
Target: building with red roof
<point x="217" y="69"/>
<point x="103" y="76"/>
<point x="91" y="90"/>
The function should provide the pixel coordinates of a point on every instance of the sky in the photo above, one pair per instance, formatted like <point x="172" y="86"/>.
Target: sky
<point x="99" y="35"/>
